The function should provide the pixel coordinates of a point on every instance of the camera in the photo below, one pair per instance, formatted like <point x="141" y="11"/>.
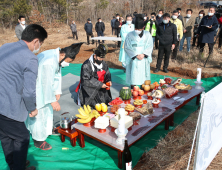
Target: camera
<point x="218" y="13"/>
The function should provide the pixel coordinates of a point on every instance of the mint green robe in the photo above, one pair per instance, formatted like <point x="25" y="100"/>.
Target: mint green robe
<point x="47" y="86"/>
<point x="125" y="29"/>
<point x="137" y="71"/>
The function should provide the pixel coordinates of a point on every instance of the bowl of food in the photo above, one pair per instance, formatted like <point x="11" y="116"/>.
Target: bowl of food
<point x="149" y="95"/>
<point x="155" y="103"/>
<point x="138" y="103"/>
<point x="129" y="108"/>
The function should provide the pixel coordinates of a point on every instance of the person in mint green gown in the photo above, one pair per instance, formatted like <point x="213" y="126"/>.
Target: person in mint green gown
<point x="48" y="91"/>
<point x="125" y="29"/>
<point x="138" y="47"/>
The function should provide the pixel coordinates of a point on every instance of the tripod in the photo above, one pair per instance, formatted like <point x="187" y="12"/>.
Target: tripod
<point x="214" y="44"/>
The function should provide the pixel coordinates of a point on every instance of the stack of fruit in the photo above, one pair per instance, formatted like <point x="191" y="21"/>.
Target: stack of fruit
<point x="101" y="108"/>
<point x="147" y="86"/>
<point x="116" y="101"/>
<point x="129" y="108"/>
<point x="86" y="115"/>
<point x="137" y="92"/>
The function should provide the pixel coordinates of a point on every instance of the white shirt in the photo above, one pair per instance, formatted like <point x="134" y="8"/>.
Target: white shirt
<point x="23" y="26"/>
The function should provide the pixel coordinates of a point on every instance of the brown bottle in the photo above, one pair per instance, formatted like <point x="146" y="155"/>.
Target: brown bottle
<point x="127" y="158"/>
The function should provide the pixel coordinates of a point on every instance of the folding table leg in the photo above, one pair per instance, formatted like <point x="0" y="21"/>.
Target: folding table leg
<point x="172" y="120"/>
<point x="81" y="139"/>
<point x="167" y="124"/>
<point x="198" y="100"/>
<point x="120" y="155"/>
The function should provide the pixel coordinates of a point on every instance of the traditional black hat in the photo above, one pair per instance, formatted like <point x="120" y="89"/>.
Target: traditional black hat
<point x="101" y="51"/>
<point x="88" y="19"/>
<point x="139" y="23"/>
<point x="71" y="51"/>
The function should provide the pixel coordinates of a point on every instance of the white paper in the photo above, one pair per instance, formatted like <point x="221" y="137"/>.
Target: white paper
<point x="209" y="138"/>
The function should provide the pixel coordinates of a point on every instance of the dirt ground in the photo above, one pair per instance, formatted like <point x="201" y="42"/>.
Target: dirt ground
<point x="172" y="152"/>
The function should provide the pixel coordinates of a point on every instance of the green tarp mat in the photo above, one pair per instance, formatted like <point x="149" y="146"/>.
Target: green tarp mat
<point x="97" y="156"/>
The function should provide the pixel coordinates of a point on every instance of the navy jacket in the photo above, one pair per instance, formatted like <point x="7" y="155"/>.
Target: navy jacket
<point x="113" y="21"/>
<point x="206" y="34"/>
<point x="18" y="73"/>
<point x="88" y="28"/>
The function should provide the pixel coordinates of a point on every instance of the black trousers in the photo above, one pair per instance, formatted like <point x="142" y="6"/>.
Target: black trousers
<point x="163" y="50"/>
<point x="210" y="45"/>
<point x="194" y="41"/>
<point x="113" y="30"/>
<point x="220" y="38"/>
<point x="175" y="50"/>
<point x="220" y="42"/>
<point x="118" y="35"/>
<point x="74" y="34"/>
<point x="14" y="138"/>
<point x="88" y="35"/>
<point x="156" y="43"/>
<point x="100" y="33"/>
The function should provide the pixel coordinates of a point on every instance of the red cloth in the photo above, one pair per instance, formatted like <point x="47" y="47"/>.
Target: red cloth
<point x="101" y="77"/>
<point x="220" y="20"/>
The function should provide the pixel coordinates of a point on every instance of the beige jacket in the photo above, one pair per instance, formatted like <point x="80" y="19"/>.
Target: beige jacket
<point x="188" y="26"/>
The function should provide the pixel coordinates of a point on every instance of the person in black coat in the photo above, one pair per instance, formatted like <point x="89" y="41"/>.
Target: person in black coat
<point x="100" y="28"/>
<point x="118" y="27"/>
<point x="167" y="36"/>
<point x="207" y="30"/>
<point x="180" y="16"/>
<point x="134" y="17"/>
<point x="88" y="28"/>
<point x="159" y="19"/>
<point x="146" y="19"/>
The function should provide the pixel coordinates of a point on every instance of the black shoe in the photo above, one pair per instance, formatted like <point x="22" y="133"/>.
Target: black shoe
<point x="157" y="70"/>
<point x="27" y="163"/>
<point x="31" y="168"/>
<point x="43" y="145"/>
<point x="165" y="70"/>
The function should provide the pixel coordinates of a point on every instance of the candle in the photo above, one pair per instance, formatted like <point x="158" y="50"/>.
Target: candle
<point x="121" y="121"/>
<point x="198" y="74"/>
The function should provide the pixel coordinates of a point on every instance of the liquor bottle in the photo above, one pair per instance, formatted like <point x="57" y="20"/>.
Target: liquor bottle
<point x="127" y="158"/>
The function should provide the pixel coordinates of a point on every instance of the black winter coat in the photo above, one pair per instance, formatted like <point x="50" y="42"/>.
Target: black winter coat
<point x="167" y="36"/>
<point x="100" y="26"/>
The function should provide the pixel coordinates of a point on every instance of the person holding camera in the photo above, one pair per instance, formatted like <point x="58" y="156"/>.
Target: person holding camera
<point x="207" y="29"/>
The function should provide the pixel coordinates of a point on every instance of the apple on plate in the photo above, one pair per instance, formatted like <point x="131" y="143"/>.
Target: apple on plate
<point x="141" y="92"/>
<point x="136" y="88"/>
<point x="135" y="93"/>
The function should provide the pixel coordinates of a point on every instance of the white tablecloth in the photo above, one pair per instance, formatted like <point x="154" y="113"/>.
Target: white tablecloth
<point x="107" y="38"/>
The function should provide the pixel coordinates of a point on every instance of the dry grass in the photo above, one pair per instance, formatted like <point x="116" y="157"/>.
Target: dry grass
<point x="172" y="152"/>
